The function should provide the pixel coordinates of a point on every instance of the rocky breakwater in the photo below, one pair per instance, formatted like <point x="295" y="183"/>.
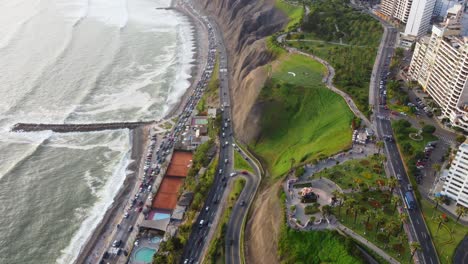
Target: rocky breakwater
<point x="245" y="25"/>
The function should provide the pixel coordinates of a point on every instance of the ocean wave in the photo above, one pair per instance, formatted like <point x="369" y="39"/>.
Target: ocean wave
<point x="95" y="214"/>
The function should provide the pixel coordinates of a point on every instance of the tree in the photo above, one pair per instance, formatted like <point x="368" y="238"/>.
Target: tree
<point x="391" y="228"/>
<point x="326" y="210"/>
<point x="438" y="200"/>
<point x="415" y="246"/>
<point x="379" y="218"/>
<point x="392" y="183"/>
<point x="396" y="200"/>
<point x="429" y="129"/>
<point x="369" y="214"/>
<point x="461" y="212"/>
<point x="460" y="138"/>
<point x="379" y="144"/>
<point x="349" y="204"/>
<point x="403" y="218"/>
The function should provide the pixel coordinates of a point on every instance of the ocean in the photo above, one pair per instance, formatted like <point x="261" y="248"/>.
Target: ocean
<point x="78" y="61"/>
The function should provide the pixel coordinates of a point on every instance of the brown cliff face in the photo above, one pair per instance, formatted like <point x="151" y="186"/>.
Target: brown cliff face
<point x="245" y="25"/>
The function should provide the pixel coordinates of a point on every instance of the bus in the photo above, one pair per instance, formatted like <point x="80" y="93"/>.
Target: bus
<point x="409" y="199"/>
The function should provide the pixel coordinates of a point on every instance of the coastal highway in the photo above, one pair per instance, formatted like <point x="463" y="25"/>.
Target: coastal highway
<point x="198" y="238"/>
<point x="383" y="127"/>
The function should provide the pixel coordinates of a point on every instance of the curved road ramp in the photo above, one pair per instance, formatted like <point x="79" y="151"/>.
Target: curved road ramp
<point x="66" y="128"/>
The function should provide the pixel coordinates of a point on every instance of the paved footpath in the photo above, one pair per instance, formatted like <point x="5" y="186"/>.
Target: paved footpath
<point x="328" y="80"/>
<point x="366" y="242"/>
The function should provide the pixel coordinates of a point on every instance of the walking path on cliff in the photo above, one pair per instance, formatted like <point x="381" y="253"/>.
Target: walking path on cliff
<point x="328" y="80"/>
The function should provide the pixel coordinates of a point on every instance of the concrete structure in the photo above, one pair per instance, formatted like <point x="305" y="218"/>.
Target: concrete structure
<point x="442" y="6"/>
<point x="456" y="184"/>
<point x="419" y="18"/>
<point x="396" y="9"/>
<point x="440" y="65"/>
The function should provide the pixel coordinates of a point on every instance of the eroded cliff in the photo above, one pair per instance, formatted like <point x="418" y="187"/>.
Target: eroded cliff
<point x="245" y="25"/>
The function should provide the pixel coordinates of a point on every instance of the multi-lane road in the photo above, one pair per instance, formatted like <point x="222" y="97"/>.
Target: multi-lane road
<point x="383" y="128"/>
<point x="199" y="238"/>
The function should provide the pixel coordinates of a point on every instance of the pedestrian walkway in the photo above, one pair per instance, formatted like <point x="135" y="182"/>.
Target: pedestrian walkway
<point x="366" y="242"/>
<point x="328" y="80"/>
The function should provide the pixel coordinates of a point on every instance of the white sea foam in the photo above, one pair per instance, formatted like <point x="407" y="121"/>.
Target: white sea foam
<point x="95" y="214"/>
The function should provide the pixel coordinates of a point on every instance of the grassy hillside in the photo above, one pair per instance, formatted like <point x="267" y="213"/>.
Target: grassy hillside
<point x="294" y="12"/>
<point x="316" y="247"/>
<point x="302" y="119"/>
<point x="347" y="39"/>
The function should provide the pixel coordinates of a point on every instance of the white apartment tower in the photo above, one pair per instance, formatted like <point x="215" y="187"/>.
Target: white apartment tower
<point x="396" y="9"/>
<point x="419" y="18"/>
<point x="440" y="66"/>
<point x="456" y="184"/>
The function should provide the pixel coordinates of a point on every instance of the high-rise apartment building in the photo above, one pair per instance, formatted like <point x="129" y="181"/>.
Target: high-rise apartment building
<point x="416" y="14"/>
<point x="440" y="66"/>
<point x="396" y="9"/>
<point x="419" y="18"/>
<point x="456" y="183"/>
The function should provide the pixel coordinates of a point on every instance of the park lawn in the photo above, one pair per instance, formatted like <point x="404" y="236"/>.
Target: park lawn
<point x="353" y="67"/>
<point x="315" y="247"/>
<point x="240" y="164"/>
<point x="301" y="119"/>
<point x="445" y="241"/>
<point x="217" y="245"/>
<point x="397" y="246"/>
<point x="293" y="12"/>
<point x="364" y="172"/>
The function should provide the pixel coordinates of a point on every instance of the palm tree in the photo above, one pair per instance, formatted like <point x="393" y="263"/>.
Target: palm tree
<point x="379" y="145"/>
<point x="461" y="212"/>
<point x="415" y="246"/>
<point x="391" y="227"/>
<point x="392" y="183"/>
<point x="438" y="200"/>
<point x="396" y="200"/>
<point x="326" y="210"/>
<point x="403" y="218"/>
<point x="369" y="214"/>
<point x="379" y="218"/>
<point x="349" y="204"/>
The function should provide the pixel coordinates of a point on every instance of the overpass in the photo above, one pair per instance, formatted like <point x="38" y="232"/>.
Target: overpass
<point x="66" y="128"/>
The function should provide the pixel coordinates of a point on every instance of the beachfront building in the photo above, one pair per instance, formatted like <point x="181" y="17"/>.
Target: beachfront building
<point x="440" y="66"/>
<point x="419" y="18"/>
<point x="456" y="184"/>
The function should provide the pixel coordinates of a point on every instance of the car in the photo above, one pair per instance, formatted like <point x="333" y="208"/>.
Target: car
<point x="202" y="222"/>
<point x="220" y="171"/>
<point x="398" y="176"/>
<point x="126" y="214"/>
<point x="233" y="174"/>
<point x="207" y="209"/>
<point x="410" y="187"/>
<point x="245" y="172"/>
<point x="242" y="203"/>
<point x="116" y="243"/>
<point x="226" y="160"/>
<point x="130" y="229"/>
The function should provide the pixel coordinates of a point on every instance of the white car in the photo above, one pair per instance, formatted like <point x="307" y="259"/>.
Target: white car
<point x="233" y="174"/>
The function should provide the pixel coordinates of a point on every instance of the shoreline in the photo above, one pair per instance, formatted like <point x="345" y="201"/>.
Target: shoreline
<point x="139" y="139"/>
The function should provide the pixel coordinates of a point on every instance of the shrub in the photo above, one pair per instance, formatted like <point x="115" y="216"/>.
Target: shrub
<point x="429" y="129"/>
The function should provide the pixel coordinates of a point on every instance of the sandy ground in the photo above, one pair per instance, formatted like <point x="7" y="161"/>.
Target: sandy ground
<point x="263" y="227"/>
